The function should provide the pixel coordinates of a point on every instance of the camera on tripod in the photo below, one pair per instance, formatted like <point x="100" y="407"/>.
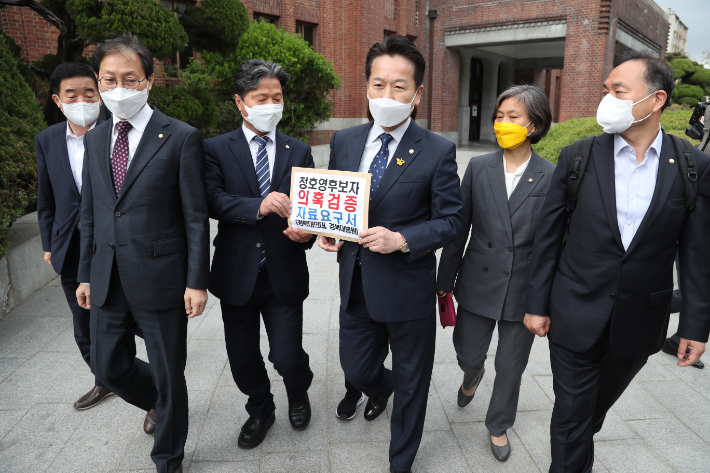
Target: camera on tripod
<point x="697" y="121"/>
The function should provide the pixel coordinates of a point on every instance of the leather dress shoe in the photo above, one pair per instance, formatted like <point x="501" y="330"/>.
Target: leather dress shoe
<point x="254" y="431"/>
<point x="464" y="400"/>
<point x="671" y="347"/>
<point x="92" y="398"/>
<point x="375" y="406"/>
<point x="299" y="414"/>
<point x="397" y="471"/>
<point x="149" y="423"/>
<point x="501" y="453"/>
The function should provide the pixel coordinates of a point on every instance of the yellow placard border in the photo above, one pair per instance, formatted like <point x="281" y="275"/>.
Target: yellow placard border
<point x="366" y="209"/>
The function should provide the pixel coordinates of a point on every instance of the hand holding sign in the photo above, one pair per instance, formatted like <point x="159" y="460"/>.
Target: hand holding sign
<point x="330" y="203"/>
<point x="275" y="202"/>
<point x="381" y="240"/>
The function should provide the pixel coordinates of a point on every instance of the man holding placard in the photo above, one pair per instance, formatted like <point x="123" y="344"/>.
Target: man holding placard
<point x="259" y="265"/>
<point x="388" y="278"/>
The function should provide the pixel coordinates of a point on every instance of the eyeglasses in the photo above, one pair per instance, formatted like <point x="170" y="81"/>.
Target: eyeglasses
<point x="109" y="83"/>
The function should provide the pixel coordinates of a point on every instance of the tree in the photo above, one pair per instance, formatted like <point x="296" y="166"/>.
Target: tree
<point x="692" y="79"/>
<point x="20" y="120"/>
<point x="215" y="25"/>
<point x="192" y="104"/>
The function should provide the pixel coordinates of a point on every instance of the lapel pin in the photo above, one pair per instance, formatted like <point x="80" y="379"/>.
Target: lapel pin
<point x="671" y="160"/>
<point x="411" y="151"/>
<point x="288" y="147"/>
<point x="160" y="135"/>
<point x="400" y="161"/>
<point x="530" y="180"/>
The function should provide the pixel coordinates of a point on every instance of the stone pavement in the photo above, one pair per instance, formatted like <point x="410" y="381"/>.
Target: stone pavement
<point x="661" y="424"/>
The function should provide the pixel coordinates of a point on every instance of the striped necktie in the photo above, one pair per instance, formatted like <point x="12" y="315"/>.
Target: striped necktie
<point x="263" y="177"/>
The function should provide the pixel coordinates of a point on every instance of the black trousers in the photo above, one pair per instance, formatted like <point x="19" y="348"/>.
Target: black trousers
<point x="363" y="349"/>
<point x="160" y="385"/>
<point x="81" y="316"/>
<point x="586" y="385"/>
<point x="284" y="327"/>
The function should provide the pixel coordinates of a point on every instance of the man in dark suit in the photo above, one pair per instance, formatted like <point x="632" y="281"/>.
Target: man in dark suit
<point x="60" y="159"/>
<point x="144" y="245"/>
<point x="604" y="296"/>
<point x="388" y="280"/>
<point x="259" y="264"/>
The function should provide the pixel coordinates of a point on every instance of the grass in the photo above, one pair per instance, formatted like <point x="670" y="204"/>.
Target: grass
<point x="563" y="134"/>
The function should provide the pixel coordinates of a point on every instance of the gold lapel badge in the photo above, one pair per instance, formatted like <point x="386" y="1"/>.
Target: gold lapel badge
<point x="411" y="151"/>
<point x="400" y="161"/>
<point x="671" y="160"/>
<point x="160" y="135"/>
<point x="530" y="180"/>
<point x="288" y="147"/>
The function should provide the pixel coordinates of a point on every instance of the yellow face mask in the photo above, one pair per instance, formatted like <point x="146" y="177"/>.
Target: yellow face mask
<point x="510" y="135"/>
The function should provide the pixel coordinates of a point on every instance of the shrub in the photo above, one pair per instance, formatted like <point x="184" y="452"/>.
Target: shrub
<point x="687" y="90"/>
<point x="20" y="120"/>
<point x="563" y="134"/>
<point x="193" y="105"/>
<point x="215" y="25"/>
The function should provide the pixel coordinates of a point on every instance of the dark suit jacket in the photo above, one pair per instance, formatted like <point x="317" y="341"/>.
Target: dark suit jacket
<point x="493" y="274"/>
<point x="157" y="229"/>
<point x="234" y="199"/>
<point x="595" y="279"/>
<point x="58" y="199"/>
<point x="420" y="199"/>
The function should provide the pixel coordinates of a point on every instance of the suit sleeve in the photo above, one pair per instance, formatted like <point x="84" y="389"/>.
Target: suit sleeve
<point x="445" y="222"/>
<point x="331" y="161"/>
<point x="194" y="210"/>
<point x="46" y="206"/>
<point x="309" y="164"/>
<point x="694" y="254"/>
<point x="222" y="205"/>
<point x="87" y="220"/>
<point x="450" y="260"/>
<point x="549" y="235"/>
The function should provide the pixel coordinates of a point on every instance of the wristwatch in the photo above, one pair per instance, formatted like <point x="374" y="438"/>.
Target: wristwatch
<point x="405" y="246"/>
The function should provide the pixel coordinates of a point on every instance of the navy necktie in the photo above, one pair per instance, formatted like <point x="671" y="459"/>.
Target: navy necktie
<point x="379" y="163"/>
<point x="262" y="175"/>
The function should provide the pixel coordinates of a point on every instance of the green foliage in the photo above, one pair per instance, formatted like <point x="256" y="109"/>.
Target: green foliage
<point x="20" y="120"/>
<point x="154" y="24"/>
<point x="692" y="79"/>
<point x="307" y="100"/>
<point x="191" y="104"/>
<point x="564" y="134"/>
<point x="687" y="90"/>
<point x="689" y="101"/>
<point x="700" y="76"/>
<point x="683" y="66"/>
<point x="215" y="25"/>
<point x="16" y="51"/>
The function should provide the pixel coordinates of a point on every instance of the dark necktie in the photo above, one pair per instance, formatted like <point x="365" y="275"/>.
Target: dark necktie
<point x="119" y="157"/>
<point x="379" y="163"/>
<point x="262" y="176"/>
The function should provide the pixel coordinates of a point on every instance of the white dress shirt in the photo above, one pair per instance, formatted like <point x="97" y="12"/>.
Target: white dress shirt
<point x="373" y="144"/>
<point x="512" y="178"/>
<point x="634" y="183"/>
<point x="139" y="121"/>
<point x="254" y="147"/>
<point x="75" y="149"/>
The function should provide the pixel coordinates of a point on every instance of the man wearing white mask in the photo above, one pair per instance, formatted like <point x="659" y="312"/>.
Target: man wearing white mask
<point x="144" y="245"/>
<point x="259" y="266"/>
<point x="601" y="274"/>
<point x="388" y="280"/>
<point x="60" y="159"/>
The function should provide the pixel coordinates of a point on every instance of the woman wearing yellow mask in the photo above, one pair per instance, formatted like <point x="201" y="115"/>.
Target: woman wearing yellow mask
<point x="502" y="196"/>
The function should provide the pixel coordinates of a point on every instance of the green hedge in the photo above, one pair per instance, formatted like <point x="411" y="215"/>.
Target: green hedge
<point x="563" y="134"/>
<point x="20" y="120"/>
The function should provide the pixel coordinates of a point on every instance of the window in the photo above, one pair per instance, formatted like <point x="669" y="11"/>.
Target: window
<point x="307" y="32"/>
<point x="181" y="59"/>
<point x="413" y="39"/>
<point x="267" y="18"/>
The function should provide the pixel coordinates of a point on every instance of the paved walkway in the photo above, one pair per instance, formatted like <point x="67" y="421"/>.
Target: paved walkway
<point x="661" y="424"/>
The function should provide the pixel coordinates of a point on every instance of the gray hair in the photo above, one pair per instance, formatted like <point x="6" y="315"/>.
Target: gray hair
<point x="536" y="106"/>
<point x="127" y="42"/>
<point x="251" y="73"/>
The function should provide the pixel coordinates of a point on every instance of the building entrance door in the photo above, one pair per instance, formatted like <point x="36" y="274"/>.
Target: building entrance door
<point x="475" y="95"/>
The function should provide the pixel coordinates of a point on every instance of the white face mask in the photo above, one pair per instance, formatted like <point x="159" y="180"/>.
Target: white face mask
<point x="264" y="117"/>
<point x="389" y="112"/>
<point x="616" y="116"/>
<point x="124" y="103"/>
<point x="81" y="113"/>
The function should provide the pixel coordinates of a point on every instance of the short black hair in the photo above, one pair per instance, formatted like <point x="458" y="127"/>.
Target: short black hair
<point x="397" y="45"/>
<point x="658" y="75"/>
<point x="68" y="70"/>
<point x="253" y="71"/>
<point x="536" y="104"/>
<point x="122" y="43"/>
